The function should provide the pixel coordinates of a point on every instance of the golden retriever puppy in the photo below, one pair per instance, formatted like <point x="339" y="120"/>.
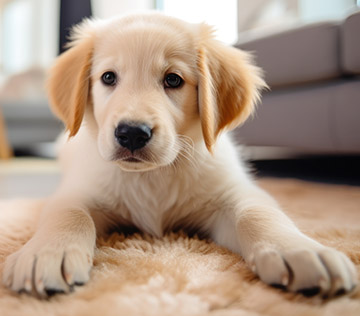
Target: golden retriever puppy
<point x="147" y="100"/>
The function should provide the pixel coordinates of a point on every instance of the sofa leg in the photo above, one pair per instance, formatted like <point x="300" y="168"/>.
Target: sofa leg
<point x="5" y="149"/>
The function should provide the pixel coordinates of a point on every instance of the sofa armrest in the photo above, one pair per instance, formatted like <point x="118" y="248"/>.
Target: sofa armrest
<point x="350" y="44"/>
<point x="305" y="54"/>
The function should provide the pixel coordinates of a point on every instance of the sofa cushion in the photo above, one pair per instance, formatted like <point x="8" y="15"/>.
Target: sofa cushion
<point x="305" y="54"/>
<point x="322" y="117"/>
<point x="350" y="44"/>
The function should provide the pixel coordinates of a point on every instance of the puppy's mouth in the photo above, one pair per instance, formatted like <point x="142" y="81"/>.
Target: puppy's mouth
<point x="136" y="160"/>
<point x="132" y="159"/>
<point x="128" y="156"/>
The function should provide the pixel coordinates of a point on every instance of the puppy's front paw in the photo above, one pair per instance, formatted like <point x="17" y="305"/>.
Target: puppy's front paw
<point x="47" y="269"/>
<point x="311" y="270"/>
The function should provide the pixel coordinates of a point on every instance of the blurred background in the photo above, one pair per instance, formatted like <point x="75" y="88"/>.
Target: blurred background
<point x="308" y="125"/>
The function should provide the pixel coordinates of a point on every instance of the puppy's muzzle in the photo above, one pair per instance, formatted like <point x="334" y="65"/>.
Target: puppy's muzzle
<point x="132" y="135"/>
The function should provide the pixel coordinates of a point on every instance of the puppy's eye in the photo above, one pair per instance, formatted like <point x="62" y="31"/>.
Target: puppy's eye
<point x="173" y="81"/>
<point x="109" y="78"/>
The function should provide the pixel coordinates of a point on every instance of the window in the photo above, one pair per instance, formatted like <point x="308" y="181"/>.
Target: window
<point x="29" y="34"/>
<point x="220" y="14"/>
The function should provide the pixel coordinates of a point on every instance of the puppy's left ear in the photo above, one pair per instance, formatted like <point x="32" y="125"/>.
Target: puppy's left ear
<point x="229" y="86"/>
<point x="69" y="80"/>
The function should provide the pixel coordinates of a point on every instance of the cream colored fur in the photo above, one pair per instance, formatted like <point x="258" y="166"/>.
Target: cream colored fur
<point x="188" y="176"/>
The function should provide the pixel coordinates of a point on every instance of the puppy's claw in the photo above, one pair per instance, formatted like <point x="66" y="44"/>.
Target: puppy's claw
<point x="40" y="286"/>
<point x="79" y="283"/>
<point x="310" y="292"/>
<point x="69" y="278"/>
<point x="28" y="286"/>
<point x="51" y="292"/>
<point x="278" y="286"/>
<point x="340" y="292"/>
<point x="253" y="268"/>
<point x="285" y="280"/>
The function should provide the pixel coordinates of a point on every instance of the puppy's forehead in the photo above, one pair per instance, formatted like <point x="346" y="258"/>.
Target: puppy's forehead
<point x="151" y="37"/>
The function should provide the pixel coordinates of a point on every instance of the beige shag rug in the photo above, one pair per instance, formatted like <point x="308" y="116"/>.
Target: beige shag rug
<point x="178" y="275"/>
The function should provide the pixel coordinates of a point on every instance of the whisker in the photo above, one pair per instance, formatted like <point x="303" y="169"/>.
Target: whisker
<point x="184" y="151"/>
<point x="187" y="149"/>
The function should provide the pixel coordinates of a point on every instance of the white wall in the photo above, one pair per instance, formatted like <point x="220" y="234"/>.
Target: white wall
<point x="311" y="10"/>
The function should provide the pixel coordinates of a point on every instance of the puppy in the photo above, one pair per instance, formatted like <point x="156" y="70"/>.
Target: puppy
<point x="147" y="100"/>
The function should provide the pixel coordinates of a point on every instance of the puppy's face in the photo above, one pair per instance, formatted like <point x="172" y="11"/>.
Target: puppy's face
<point x="149" y="87"/>
<point x="144" y="92"/>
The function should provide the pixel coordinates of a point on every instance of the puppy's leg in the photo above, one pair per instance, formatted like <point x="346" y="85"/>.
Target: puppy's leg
<point x="58" y="256"/>
<point x="278" y="252"/>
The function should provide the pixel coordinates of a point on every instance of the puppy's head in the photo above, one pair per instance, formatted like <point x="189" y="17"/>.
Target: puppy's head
<point x="148" y="87"/>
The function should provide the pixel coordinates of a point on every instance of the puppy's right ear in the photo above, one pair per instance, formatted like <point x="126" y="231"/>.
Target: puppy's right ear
<point x="69" y="81"/>
<point x="229" y="86"/>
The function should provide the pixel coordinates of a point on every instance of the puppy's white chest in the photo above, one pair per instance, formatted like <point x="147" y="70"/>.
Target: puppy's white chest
<point x="149" y="202"/>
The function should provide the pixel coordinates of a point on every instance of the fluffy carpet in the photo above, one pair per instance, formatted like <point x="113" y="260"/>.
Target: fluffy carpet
<point x="178" y="275"/>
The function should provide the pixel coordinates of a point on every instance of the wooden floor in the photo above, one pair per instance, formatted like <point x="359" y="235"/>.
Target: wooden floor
<point x="35" y="177"/>
<point x="24" y="178"/>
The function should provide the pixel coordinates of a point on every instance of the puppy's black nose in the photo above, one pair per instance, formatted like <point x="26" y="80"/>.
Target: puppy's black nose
<point x="133" y="135"/>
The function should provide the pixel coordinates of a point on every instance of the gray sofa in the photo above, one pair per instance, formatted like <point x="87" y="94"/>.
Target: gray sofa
<point x="30" y="123"/>
<point x="314" y="75"/>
